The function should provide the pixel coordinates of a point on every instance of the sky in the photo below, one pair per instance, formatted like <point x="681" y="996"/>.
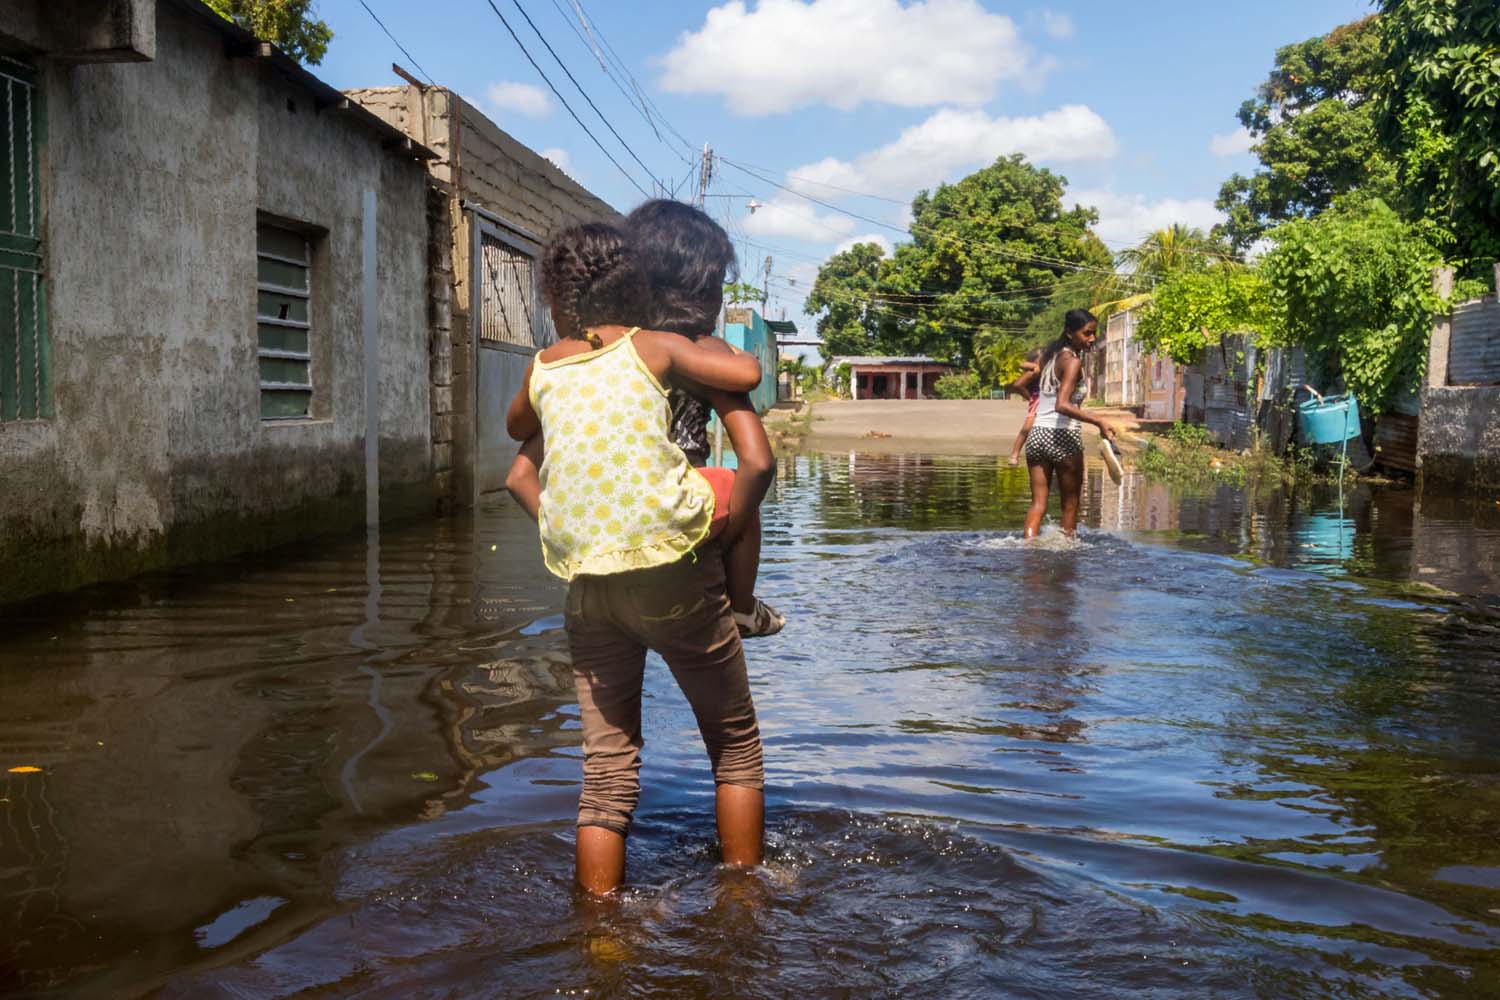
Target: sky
<point x="856" y="103"/>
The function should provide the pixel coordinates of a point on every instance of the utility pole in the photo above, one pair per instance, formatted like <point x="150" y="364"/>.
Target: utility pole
<point x="765" y="285"/>
<point x="705" y="173"/>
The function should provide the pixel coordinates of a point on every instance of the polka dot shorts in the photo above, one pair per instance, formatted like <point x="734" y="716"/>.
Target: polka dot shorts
<point x="1053" y="445"/>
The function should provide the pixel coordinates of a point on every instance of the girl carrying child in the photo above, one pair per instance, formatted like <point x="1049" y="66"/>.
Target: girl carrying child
<point x="638" y="533"/>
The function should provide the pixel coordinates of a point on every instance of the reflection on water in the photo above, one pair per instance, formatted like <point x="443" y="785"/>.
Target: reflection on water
<point x="1218" y="745"/>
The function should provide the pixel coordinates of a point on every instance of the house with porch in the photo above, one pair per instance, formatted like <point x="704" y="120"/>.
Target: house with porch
<point x="884" y="377"/>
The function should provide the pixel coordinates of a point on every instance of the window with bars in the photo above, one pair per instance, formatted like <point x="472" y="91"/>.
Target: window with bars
<point x="283" y="317"/>
<point x="511" y="311"/>
<point x="25" y="353"/>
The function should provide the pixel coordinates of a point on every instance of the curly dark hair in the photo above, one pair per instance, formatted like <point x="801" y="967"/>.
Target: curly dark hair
<point x="592" y="276"/>
<point x="686" y="258"/>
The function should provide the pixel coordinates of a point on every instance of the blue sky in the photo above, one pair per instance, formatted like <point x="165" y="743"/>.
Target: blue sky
<point x="1133" y="103"/>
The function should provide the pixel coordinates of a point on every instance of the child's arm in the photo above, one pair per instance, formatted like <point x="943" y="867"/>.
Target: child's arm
<point x="521" y="421"/>
<point x="524" y="481"/>
<point x="708" y="361"/>
<point x="1029" y="373"/>
<point x="752" y="449"/>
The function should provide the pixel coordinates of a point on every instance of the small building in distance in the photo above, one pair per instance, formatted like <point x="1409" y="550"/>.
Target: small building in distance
<point x="882" y="377"/>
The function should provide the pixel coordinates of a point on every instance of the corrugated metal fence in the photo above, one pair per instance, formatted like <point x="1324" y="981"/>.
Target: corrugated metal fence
<point x="1474" y="346"/>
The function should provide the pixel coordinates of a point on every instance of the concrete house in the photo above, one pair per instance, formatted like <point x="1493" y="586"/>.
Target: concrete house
<point x="213" y="296"/>
<point x="493" y="203"/>
<point x="1459" y="435"/>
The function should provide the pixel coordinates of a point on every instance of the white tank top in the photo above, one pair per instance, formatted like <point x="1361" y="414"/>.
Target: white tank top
<point x="1048" y="384"/>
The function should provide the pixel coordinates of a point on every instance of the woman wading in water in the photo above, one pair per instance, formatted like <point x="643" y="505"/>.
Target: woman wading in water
<point x="1055" y="444"/>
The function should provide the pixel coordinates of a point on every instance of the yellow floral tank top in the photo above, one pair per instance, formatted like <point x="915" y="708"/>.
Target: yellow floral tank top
<point x="617" y="494"/>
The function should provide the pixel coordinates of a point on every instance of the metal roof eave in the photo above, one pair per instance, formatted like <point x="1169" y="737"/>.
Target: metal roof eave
<point x="243" y="44"/>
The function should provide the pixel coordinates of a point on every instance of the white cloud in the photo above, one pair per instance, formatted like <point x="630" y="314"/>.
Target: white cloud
<point x="788" y="54"/>
<point x="521" y="98"/>
<point x="1057" y="24"/>
<point x="1126" y="219"/>
<point x="883" y="241"/>
<point x="1232" y="143"/>
<point x="560" y="159"/>
<point x="949" y="140"/>
<point x="796" y="219"/>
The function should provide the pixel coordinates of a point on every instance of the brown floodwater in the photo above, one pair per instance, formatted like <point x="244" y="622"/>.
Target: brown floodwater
<point x="1219" y="746"/>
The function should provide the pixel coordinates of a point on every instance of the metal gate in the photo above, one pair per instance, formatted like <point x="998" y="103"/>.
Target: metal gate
<point x="510" y="325"/>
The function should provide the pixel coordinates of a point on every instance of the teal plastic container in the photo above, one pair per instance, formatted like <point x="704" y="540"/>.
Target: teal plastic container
<point x="1328" y="419"/>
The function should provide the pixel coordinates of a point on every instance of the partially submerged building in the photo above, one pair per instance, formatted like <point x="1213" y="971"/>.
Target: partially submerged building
<point x="236" y="307"/>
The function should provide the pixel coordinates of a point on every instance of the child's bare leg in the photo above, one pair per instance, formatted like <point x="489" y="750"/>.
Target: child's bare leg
<point x="741" y="813"/>
<point x="1015" y="450"/>
<point x="742" y="565"/>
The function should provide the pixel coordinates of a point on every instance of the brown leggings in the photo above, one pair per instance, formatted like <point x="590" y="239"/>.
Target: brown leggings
<point x="682" y="612"/>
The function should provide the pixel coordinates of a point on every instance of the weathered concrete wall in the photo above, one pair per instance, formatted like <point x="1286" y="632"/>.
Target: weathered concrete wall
<point x="80" y="30"/>
<point x="479" y="166"/>
<point x="1459" y="439"/>
<point x="153" y="176"/>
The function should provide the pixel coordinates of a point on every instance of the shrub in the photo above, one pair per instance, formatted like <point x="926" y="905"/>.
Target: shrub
<point x="960" y="385"/>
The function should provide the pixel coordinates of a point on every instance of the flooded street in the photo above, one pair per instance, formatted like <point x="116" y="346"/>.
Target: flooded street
<point x="1217" y="746"/>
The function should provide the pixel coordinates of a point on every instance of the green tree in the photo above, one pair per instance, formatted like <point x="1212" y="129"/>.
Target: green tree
<point x="740" y="293"/>
<point x="290" y="24"/>
<point x="1440" y="117"/>
<point x="1194" y="309"/>
<point x="984" y="255"/>
<point x="1314" y="122"/>
<point x="1354" y="288"/>
<point x="1174" y="250"/>
<point x="845" y="299"/>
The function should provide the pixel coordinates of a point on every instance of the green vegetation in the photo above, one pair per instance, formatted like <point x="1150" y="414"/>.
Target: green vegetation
<point x="739" y="293"/>
<point x="1354" y="288"/>
<point x="290" y="24"/>
<point x="1439" y="104"/>
<point x="960" y="385"/>
<point x="1313" y="121"/>
<point x="1194" y="309"/>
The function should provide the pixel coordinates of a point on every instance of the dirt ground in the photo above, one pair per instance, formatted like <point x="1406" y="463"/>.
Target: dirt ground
<point x="935" y="426"/>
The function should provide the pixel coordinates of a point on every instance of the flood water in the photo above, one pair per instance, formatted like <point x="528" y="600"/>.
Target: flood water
<point x="1216" y="747"/>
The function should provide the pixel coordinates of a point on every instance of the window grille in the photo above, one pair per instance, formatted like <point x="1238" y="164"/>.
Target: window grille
<point x="283" y="317"/>
<point x="25" y="351"/>
<point x="511" y="310"/>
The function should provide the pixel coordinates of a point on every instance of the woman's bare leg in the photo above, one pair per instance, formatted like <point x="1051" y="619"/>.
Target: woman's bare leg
<point x="1070" y="486"/>
<point x="1041" y="474"/>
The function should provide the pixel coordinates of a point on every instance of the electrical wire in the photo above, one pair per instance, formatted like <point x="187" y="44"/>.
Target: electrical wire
<point x="556" y="93"/>
<point x="410" y="58"/>
<point x="569" y="73"/>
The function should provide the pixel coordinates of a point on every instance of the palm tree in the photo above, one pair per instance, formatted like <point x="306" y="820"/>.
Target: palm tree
<point x="1170" y="251"/>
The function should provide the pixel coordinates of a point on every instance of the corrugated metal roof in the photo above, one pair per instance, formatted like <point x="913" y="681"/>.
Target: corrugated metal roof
<point x="867" y="360"/>
<point x="1474" y="348"/>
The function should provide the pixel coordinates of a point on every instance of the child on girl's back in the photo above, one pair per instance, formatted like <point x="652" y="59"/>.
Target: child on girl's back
<point x="1030" y="370"/>
<point x="638" y="532"/>
<point x="685" y="258"/>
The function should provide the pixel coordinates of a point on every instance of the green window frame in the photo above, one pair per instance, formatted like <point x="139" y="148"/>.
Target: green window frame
<point x="25" y="349"/>
<point x="283" y="322"/>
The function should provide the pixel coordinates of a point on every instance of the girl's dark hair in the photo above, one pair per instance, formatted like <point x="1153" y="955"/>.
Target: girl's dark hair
<point x="1073" y="321"/>
<point x="686" y="258"/>
<point x="592" y="276"/>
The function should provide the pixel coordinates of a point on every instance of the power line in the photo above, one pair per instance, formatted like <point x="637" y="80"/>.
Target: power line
<point x="411" y="58"/>
<point x="564" y="101"/>
<point x="1036" y="259"/>
<point x="569" y="73"/>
